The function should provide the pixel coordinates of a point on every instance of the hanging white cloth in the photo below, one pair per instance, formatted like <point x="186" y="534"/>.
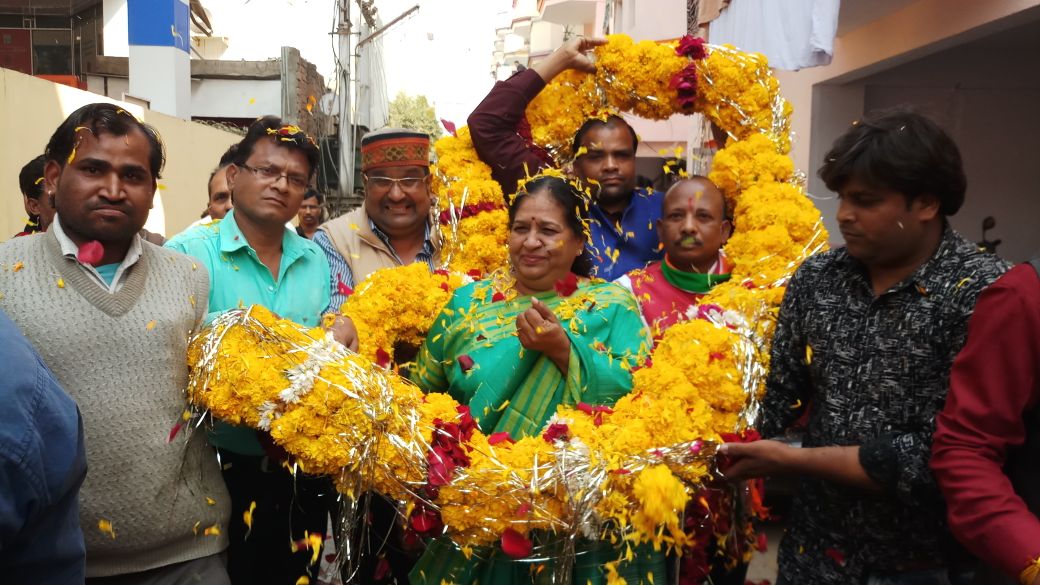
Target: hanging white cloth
<point x="793" y="34"/>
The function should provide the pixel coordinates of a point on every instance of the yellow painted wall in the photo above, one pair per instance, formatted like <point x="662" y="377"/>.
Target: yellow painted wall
<point x="30" y="111"/>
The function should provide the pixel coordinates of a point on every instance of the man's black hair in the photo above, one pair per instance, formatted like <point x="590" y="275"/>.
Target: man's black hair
<point x="228" y="157"/>
<point x="225" y="159"/>
<point x="612" y="122"/>
<point x="569" y="198"/>
<point x="315" y="194"/>
<point x="98" y="118"/>
<point x="285" y="135"/>
<point x="901" y="151"/>
<point x="30" y="179"/>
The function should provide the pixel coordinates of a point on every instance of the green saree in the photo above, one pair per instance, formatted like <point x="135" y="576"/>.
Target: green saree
<point x="515" y="390"/>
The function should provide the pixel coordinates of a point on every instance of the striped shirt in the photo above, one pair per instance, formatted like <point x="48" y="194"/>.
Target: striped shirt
<point x="342" y="280"/>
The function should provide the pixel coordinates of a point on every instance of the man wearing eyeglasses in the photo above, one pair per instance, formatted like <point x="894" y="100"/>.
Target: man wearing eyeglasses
<point x="393" y="226"/>
<point x="254" y="259"/>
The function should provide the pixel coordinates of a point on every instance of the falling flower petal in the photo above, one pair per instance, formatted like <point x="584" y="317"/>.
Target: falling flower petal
<point x="212" y="531"/>
<point x="342" y="288"/>
<point x="836" y="555"/>
<point x="382" y="358"/>
<point x="247" y="517"/>
<point x="17" y="266"/>
<point x="150" y="325"/>
<point x="304" y="580"/>
<point x="566" y="286"/>
<point x="173" y="432"/>
<point x="106" y="528"/>
<point x="449" y="126"/>
<point x="515" y="545"/>
<point x="465" y="362"/>
<point x="61" y="283"/>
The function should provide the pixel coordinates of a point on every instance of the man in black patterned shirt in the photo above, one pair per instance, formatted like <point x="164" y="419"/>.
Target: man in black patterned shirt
<point x="865" y="340"/>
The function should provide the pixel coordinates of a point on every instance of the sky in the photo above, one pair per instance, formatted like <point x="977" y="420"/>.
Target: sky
<point x="443" y="51"/>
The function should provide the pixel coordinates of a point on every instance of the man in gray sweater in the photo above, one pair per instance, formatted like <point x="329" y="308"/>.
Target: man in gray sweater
<point x="111" y="315"/>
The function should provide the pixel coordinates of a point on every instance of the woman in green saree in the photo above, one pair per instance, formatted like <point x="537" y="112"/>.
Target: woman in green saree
<point x="519" y="344"/>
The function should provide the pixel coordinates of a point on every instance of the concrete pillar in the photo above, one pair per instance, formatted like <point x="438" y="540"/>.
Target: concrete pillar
<point x="160" y="71"/>
<point x="116" y="44"/>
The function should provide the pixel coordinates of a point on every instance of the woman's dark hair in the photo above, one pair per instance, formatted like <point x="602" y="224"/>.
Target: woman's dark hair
<point x="902" y="151"/>
<point x="575" y="211"/>
<point x="285" y="135"/>
<point x="610" y="122"/>
<point x="30" y="178"/>
<point x="103" y="118"/>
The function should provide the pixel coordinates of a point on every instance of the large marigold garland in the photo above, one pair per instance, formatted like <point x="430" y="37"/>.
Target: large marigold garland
<point x="596" y="471"/>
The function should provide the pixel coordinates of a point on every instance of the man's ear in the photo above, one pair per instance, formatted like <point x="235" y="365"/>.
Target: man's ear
<point x="230" y="173"/>
<point x="32" y="206"/>
<point x="925" y="207"/>
<point x="727" y="230"/>
<point x="51" y="176"/>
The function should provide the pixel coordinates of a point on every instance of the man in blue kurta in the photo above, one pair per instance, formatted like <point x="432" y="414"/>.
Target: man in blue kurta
<point x="253" y="259"/>
<point x="622" y="218"/>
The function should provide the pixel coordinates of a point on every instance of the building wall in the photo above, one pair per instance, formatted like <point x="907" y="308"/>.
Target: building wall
<point x="827" y="99"/>
<point x="651" y="19"/>
<point x="31" y="108"/>
<point x="235" y="98"/>
<point x="989" y="108"/>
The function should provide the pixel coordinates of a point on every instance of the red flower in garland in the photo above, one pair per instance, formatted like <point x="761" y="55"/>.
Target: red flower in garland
<point x="685" y="82"/>
<point x="556" y="431"/>
<point x="596" y="412"/>
<point x="496" y="438"/>
<point x="515" y="545"/>
<point x="691" y="47"/>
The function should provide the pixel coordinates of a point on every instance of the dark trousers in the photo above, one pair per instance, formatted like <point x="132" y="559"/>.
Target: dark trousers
<point x="287" y="507"/>
<point x="381" y="555"/>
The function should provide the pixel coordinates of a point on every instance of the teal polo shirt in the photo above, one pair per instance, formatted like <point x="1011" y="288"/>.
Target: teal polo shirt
<point x="238" y="279"/>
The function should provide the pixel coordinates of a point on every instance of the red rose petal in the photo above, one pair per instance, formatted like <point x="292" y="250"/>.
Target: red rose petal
<point x="425" y="520"/>
<point x="441" y="468"/>
<point x="836" y="555"/>
<point x="524" y="509"/>
<point x="173" y="432"/>
<point x="465" y="362"/>
<point x="556" y="431"/>
<point x="382" y="358"/>
<point x="515" y="545"/>
<point x="382" y="569"/>
<point x="91" y="253"/>
<point x="497" y="297"/>
<point x="449" y="126"/>
<point x="496" y="438"/>
<point x="342" y="287"/>
<point x="566" y="286"/>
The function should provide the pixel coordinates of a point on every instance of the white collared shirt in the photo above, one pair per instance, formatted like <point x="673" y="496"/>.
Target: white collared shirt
<point x="69" y="249"/>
